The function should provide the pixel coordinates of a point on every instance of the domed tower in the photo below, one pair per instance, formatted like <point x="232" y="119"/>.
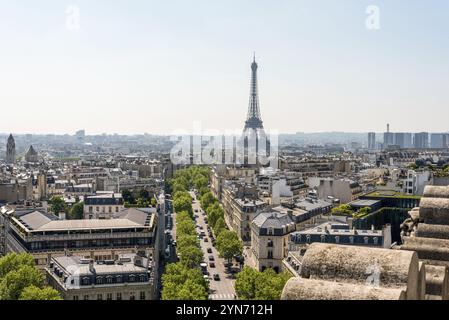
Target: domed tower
<point x="11" y="150"/>
<point x="31" y="156"/>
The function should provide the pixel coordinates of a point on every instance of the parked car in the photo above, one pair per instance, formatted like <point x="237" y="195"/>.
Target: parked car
<point x="209" y="250"/>
<point x="206" y="240"/>
<point x="206" y="277"/>
<point x="216" y="277"/>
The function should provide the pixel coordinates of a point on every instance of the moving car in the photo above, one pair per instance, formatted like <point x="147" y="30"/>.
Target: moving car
<point x="211" y="258"/>
<point x="212" y="265"/>
<point x="209" y="250"/>
<point x="216" y="277"/>
<point x="206" y="240"/>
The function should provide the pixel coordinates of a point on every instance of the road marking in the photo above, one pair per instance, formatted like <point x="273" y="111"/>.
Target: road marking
<point x="222" y="296"/>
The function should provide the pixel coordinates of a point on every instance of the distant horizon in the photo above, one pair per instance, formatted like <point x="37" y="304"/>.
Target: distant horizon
<point x="152" y="66"/>
<point x="169" y="134"/>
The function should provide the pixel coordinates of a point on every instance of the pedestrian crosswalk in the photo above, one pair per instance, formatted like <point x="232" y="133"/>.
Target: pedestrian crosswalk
<point x="222" y="296"/>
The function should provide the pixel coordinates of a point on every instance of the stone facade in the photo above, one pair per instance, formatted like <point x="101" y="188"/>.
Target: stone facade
<point x="330" y="272"/>
<point x="427" y="233"/>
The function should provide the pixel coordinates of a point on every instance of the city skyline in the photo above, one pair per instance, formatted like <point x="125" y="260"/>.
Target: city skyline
<point x="157" y="67"/>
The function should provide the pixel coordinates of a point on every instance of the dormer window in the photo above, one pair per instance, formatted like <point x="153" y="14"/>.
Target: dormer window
<point x="85" y="281"/>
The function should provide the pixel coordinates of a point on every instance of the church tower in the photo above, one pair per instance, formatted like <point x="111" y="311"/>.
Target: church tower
<point x="11" y="151"/>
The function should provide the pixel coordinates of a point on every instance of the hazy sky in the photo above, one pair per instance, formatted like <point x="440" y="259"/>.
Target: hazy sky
<point x="140" y="66"/>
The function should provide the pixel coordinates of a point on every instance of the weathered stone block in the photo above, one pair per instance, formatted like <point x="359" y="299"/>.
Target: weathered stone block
<point x="437" y="231"/>
<point x="436" y="192"/>
<point x="359" y="265"/>
<point x="427" y="248"/>
<point x="437" y="281"/>
<point x="434" y="210"/>
<point x="308" y="289"/>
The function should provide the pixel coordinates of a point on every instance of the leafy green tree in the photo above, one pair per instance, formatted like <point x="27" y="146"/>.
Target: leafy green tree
<point x="246" y="282"/>
<point x="207" y="199"/>
<point x="179" y="273"/>
<point x="192" y="291"/>
<point x="178" y="280"/>
<point x="254" y="285"/>
<point x="77" y="211"/>
<point x="203" y="190"/>
<point x="343" y="210"/>
<point x="14" y="261"/>
<point x="364" y="211"/>
<point x="185" y="228"/>
<point x="270" y="285"/>
<point x="142" y="203"/>
<point x="16" y="281"/>
<point x="144" y="194"/>
<point x="35" y="293"/>
<point x="200" y="181"/>
<point x="187" y="240"/>
<point x="219" y="227"/>
<point x="153" y="202"/>
<point x="57" y="205"/>
<point x="128" y="196"/>
<point x="191" y="256"/>
<point x="183" y="203"/>
<point x="229" y="244"/>
<point x="214" y="212"/>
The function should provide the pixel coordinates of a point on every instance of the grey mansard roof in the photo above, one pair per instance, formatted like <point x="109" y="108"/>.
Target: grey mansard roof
<point x="40" y="221"/>
<point x="276" y="221"/>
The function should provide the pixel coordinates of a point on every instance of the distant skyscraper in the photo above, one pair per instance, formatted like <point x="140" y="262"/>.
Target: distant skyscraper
<point x="11" y="150"/>
<point x="388" y="137"/>
<point x="403" y="140"/>
<point x="421" y="140"/>
<point x="80" y="135"/>
<point x="372" y="141"/>
<point x="436" y="140"/>
<point x="446" y="140"/>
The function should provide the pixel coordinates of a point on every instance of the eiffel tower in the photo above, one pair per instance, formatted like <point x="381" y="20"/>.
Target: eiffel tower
<point x="255" y="141"/>
<point x="253" y="120"/>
